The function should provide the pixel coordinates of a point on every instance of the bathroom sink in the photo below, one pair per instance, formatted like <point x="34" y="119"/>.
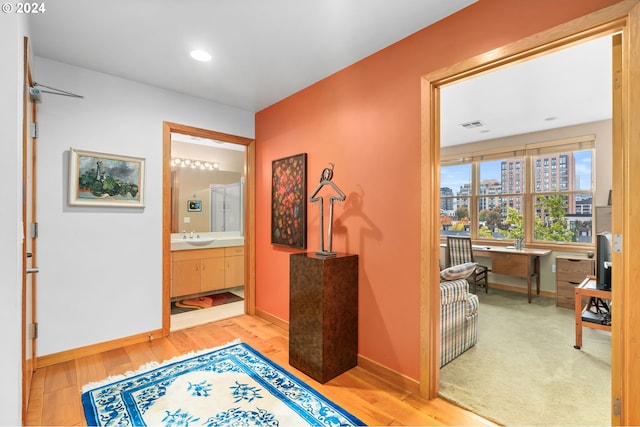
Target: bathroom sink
<point x="196" y="241"/>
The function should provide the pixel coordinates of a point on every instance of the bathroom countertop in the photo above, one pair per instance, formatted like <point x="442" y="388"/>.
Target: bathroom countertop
<point x="205" y="241"/>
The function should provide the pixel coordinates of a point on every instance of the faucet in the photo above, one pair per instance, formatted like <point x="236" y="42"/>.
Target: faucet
<point x="185" y="234"/>
<point x="191" y="236"/>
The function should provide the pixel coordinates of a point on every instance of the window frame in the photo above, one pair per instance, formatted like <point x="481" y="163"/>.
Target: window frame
<point x="455" y="197"/>
<point x="528" y="153"/>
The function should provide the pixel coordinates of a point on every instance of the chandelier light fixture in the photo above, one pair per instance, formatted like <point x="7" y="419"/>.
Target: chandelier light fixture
<point x="195" y="164"/>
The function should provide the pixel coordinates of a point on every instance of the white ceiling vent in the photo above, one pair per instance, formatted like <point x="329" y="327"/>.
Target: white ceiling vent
<point x="473" y="124"/>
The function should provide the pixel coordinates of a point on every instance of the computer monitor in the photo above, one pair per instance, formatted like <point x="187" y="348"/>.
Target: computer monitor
<point x="603" y="260"/>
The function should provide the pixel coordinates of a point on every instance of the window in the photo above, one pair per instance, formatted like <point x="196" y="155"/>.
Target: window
<point x="540" y="192"/>
<point x="455" y="199"/>
<point x="498" y="194"/>
<point x="563" y="213"/>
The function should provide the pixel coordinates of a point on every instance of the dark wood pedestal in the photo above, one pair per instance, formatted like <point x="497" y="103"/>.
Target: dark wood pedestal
<point x="323" y="314"/>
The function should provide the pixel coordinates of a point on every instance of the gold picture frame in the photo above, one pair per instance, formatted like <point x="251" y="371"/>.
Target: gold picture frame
<point x="106" y="180"/>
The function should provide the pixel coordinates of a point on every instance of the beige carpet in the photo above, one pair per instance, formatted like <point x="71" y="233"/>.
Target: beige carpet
<point x="524" y="369"/>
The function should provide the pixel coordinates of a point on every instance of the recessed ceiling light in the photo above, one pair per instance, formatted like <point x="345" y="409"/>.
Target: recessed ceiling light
<point x="200" y="55"/>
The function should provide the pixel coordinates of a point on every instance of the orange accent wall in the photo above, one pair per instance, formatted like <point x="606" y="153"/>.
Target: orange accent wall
<point x="366" y="120"/>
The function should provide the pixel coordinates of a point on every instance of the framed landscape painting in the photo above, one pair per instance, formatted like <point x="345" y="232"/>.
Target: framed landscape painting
<point x="289" y="201"/>
<point x="100" y="179"/>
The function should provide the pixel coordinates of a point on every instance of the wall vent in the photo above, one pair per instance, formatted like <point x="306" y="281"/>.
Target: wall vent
<point x="473" y="124"/>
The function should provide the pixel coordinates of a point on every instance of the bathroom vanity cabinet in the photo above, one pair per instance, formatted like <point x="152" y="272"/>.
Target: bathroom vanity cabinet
<point x="234" y="266"/>
<point x="197" y="271"/>
<point x="204" y="270"/>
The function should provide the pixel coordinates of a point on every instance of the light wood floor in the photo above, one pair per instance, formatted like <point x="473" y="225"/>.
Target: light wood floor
<point x="55" y="393"/>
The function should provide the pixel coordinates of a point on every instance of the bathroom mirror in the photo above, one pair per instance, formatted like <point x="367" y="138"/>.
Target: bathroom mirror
<point x="207" y="182"/>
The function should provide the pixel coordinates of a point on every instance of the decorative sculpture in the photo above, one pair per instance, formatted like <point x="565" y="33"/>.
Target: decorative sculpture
<point x="326" y="179"/>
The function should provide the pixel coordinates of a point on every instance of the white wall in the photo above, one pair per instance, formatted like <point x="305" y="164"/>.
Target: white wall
<point x="12" y="30"/>
<point x="101" y="268"/>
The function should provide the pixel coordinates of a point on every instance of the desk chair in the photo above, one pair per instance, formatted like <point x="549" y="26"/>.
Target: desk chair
<point x="458" y="252"/>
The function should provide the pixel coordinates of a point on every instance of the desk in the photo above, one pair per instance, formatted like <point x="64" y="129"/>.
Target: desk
<point x="523" y="263"/>
<point x="585" y="316"/>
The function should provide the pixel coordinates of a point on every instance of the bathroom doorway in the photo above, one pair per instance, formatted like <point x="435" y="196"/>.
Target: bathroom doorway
<point x="205" y="274"/>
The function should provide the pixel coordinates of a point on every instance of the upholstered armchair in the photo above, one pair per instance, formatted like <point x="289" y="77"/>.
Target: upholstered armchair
<point x="458" y="319"/>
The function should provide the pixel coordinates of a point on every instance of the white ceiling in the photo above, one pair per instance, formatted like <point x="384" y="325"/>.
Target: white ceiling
<point x="263" y="50"/>
<point x="266" y="50"/>
<point x="565" y="88"/>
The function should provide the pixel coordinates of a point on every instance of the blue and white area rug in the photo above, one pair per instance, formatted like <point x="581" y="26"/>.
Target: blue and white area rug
<point x="231" y="385"/>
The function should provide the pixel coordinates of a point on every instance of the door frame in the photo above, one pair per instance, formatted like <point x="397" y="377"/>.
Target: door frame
<point x="623" y="17"/>
<point x="29" y="111"/>
<point x="249" y="214"/>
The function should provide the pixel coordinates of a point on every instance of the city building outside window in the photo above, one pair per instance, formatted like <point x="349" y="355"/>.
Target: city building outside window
<point x="543" y="194"/>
